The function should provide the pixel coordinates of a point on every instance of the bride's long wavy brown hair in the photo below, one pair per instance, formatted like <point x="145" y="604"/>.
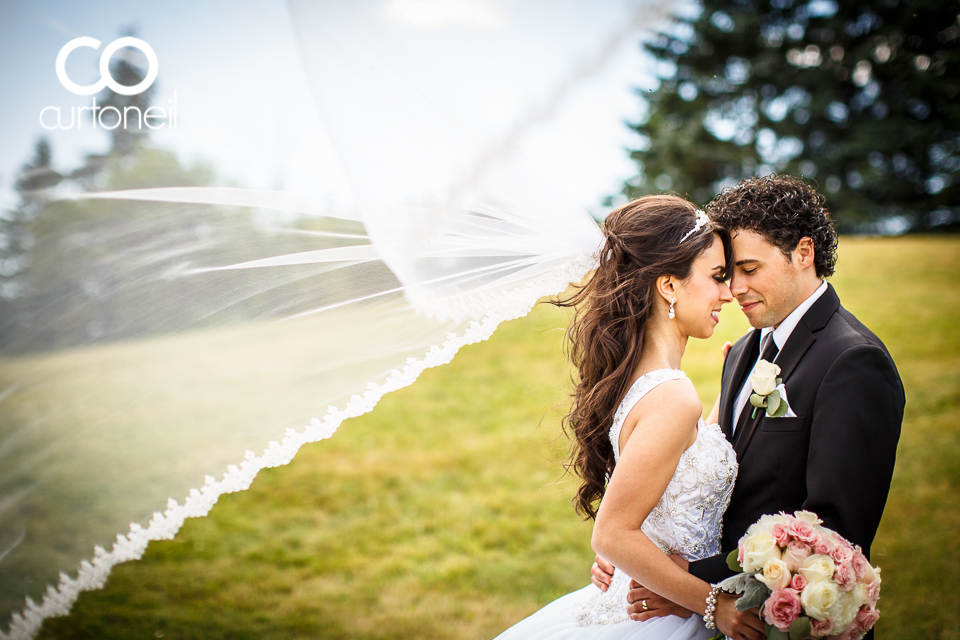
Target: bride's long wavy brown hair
<point x="606" y="334"/>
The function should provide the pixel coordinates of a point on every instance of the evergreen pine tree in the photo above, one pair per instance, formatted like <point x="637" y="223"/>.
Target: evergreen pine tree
<point x="858" y="97"/>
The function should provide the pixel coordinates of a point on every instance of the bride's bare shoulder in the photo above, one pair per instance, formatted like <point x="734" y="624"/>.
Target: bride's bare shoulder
<point x="677" y="395"/>
<point x="672" y="404"/>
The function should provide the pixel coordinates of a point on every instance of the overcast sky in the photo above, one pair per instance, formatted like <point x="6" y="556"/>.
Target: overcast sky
<point x="246" y="103"/>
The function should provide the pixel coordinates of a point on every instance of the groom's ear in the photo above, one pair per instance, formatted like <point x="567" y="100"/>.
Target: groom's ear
<point x="804" y="253"/>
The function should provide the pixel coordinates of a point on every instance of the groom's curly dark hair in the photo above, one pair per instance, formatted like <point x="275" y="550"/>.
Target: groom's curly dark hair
<point x="783" y="209"/>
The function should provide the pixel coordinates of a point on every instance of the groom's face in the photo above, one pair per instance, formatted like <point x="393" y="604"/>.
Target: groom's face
<point x="767" y="284"/>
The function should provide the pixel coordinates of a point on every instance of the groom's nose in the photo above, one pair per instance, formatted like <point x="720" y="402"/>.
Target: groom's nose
<point x="738" y="285"/>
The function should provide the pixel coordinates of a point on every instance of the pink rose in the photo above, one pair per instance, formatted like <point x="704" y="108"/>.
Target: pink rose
<point x="782" y="608"/>
<point x="873" y="593"/>
<point x="803" y="532"/>
<point x="740" y="554"/>
<point x="798" y="582"/>
<point x="867" y="617"/>
<point x="861" y="566"/>
<point x="822" y="546"/>
<point x="852" y="632"/>
<point x="845" y="576"/>
<point x="795" y="554"/>
<point x="821" y="628"/>
<point x="780" y="534"/>
<point x="843" y="553"/>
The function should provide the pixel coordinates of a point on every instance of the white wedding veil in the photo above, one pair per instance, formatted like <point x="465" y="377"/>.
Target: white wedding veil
<point x="170" y="341"/>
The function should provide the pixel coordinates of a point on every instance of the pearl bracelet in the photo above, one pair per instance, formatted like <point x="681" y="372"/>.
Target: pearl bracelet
<point x="708" y="620"/>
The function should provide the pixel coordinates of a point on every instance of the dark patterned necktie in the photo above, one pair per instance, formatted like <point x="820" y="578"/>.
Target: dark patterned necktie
<point x="768" y="348"/>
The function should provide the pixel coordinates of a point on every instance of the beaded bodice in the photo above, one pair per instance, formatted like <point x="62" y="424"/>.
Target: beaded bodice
<point x="687" y="520"/>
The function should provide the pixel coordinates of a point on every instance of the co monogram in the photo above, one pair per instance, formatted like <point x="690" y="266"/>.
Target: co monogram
<point x="106" y="80"/>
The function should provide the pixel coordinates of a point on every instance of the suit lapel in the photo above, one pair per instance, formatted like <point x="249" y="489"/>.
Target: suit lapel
<point x="797" y="344"/>
<point x="802" y="336"/>
<point x="734" y="380"/>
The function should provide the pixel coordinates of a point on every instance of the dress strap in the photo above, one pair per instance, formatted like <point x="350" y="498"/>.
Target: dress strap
<point x="643" y="385"/>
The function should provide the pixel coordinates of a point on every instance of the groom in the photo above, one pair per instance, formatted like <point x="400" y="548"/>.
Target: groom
<point x="834" y="452"/>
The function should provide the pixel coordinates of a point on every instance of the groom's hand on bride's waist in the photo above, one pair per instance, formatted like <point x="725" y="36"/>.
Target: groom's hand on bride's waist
<point x="601" y="573"/>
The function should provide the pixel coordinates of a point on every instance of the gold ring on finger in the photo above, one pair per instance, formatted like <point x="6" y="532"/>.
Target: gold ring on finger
<point x="643" y="603"/>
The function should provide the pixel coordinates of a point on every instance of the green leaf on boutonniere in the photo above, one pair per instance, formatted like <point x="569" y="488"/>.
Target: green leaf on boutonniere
<point x="800" y="628"/>
<point x="758" y="402"/>
<point x="732" y="561"/>
<point x="775" y="634"/>
<point x="781" y="410"/>
<point x="773" y="401"/>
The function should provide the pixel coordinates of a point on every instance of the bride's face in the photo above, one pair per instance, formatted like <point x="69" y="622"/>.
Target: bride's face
<point x="702" y="293"/>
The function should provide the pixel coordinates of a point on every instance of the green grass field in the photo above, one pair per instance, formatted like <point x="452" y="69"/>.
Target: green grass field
<point x="444" y="514"/>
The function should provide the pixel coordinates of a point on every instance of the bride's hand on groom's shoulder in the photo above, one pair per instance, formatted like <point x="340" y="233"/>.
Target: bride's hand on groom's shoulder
<point x="601" y="573"/>
<point x="714" y="416"/>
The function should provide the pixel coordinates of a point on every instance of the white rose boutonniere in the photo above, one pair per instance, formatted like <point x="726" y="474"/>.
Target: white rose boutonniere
<point x="765" y="394"/>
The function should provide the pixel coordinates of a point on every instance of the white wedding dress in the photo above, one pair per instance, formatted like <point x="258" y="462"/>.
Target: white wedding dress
<point x="686" y="521"/>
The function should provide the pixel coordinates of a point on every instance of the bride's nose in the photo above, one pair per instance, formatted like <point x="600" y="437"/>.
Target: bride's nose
<point x="725" y="294"/>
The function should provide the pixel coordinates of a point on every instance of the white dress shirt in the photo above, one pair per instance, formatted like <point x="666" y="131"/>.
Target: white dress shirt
<point x="780" y="336"/>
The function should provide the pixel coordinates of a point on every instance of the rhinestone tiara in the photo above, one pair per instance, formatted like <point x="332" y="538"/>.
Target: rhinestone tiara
<point x="702" y="220"/>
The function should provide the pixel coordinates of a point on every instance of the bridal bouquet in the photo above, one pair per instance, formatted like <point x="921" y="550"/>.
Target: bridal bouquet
<point x="808" y="581"/>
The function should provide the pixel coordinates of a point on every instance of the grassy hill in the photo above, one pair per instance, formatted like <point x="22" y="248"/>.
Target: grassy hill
<point x="444" y="513"/>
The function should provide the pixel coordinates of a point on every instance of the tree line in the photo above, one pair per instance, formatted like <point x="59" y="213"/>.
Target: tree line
<point x="859" y="98"/>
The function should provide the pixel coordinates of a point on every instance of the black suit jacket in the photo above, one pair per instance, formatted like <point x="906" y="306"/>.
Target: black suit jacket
<point x="836" y="457"/>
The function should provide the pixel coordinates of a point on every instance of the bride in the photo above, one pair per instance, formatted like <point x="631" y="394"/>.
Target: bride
<point x="664" y="476"/>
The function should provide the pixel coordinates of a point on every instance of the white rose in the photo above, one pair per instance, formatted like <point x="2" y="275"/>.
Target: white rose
<point x="767" y="521"/>
<point x="776" y="574"/>
<point x="819" y="598"/>
<point x="764" y="377"/>
<point x="846" y="609"/>
<point x="808" y="516"/>
<point x="757" y="550"/>
<point x="817" y="568"/>
<point x="756" y="528"/>
<point x="859" y="591"/>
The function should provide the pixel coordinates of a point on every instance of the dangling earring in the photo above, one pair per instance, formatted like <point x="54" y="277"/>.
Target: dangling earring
<point x="671" y="314"/>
